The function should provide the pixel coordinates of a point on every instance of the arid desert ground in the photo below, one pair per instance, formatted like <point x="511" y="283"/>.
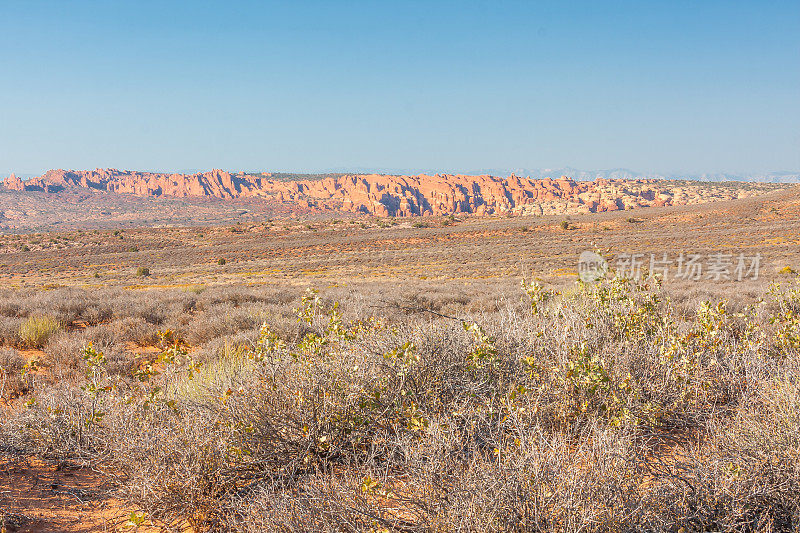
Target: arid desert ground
<point x="430" y="373"/>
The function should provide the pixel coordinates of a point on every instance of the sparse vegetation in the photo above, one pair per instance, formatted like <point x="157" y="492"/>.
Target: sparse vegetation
<point x="142" y="271"/>
<point x="438" y="395"/>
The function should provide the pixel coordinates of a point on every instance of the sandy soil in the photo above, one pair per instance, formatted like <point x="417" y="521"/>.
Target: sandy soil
<point x="38" y="496"/>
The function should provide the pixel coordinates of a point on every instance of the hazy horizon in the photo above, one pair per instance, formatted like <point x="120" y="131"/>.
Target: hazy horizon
<point x="571" y="172"/>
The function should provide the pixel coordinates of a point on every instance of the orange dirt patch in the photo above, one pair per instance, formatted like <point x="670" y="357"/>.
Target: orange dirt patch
<point x="32" y="353"/>
<point x="132" y="347"/>
<point x="41" y="496"/>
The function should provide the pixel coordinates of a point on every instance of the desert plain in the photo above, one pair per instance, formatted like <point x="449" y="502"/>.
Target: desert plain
<point x="191" y="360"/>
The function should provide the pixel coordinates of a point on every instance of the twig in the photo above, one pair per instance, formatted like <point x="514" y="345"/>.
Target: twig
<point x="395" y="305"/>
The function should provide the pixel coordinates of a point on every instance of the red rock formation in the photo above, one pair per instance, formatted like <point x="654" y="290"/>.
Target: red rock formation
<point x="14" y="183"/>
<point x="385" y="195"/>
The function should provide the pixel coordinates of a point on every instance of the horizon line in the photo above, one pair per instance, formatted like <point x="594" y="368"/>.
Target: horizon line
<point x="388" y="171"/>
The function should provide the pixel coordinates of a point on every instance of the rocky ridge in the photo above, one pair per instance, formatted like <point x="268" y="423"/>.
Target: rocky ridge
<point x="390" y="195"/>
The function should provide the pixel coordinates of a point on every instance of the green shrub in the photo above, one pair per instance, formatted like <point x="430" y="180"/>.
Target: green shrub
<point x="142" y="271"/>
<point x="221" y="261"/>
<point x="36" y="330"/>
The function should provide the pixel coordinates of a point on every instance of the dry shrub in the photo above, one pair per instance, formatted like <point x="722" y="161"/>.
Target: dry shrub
<point x="64" y="351"/>
<point x="10" y="308"/>
<point x="11" y="366"/>
<point x="54" y="426"/>
<point x="238" y="295"/>
<point x="9" y="330"/>
<point x="604" y="408"/>
<point x="218" y="321"/>
<point x="135" y="330"/>
<point x="745" y="478"/>
<point x="63" y="354"/>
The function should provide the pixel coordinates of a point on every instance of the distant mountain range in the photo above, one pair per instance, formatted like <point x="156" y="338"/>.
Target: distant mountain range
<point x="402" y="195"/>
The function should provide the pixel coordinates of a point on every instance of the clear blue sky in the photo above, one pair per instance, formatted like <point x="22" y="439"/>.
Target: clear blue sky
<point x="694" y="86"/>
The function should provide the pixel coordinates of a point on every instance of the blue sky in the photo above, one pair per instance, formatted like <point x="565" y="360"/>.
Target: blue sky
<point x="700" y="86"/>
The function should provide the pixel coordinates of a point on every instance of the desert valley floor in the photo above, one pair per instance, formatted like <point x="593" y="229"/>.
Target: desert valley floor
<point x="368" y="249"/>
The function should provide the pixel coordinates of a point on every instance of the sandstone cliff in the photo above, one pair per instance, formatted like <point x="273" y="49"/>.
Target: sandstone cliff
<point x="387" y="195"/>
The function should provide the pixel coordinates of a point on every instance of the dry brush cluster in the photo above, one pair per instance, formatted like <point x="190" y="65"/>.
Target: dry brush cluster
<point x="602" y="407"/>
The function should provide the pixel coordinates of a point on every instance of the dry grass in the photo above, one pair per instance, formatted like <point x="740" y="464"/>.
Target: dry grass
<point x="36" y="330"/>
